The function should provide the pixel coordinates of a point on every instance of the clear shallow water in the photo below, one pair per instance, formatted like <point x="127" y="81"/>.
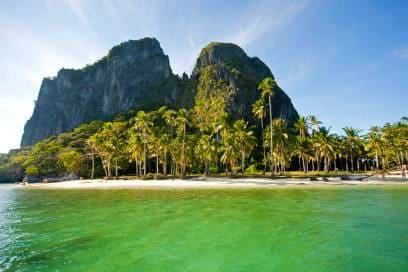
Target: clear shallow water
<point x="329" y="229"/>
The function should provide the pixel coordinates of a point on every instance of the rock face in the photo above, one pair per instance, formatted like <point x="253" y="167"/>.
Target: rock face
<point x="229" y="63"/>
<point x="136" y="75"/>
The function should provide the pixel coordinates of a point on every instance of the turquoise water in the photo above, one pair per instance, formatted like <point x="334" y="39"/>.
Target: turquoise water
<point x="329" y="229"/>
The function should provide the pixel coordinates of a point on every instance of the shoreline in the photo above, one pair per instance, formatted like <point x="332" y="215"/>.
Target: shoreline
<point x="207" y="183"/>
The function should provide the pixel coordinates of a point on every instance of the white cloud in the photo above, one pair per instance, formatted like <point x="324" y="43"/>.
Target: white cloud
<point x="78" y="9"/>
<point x="401" y="53"/>
<point x="266" y="17"/>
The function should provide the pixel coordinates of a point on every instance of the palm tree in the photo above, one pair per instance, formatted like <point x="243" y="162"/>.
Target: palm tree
<point x="154" y="143"/>
<point x="230" y="150"/>
<point x="143" y="124"/>
<point x="281" y="137"/>
<point x="170" y="119"/>
<point x="244" y="139"/>
<point x="337" y="149"/>
<point x="353" y="140"/>
<point x="101" y="142"/>
<point x="135" y="148"/>
<point x="164" y="143"/>
<point x="314" y="123"/>
<point x="258" y="109"/>
<point x="182" y="121"/>
<point x="267" y="86"/>
<point x="117" y="139"/>
<point x="91" y="146"/>
<point x="302" y="150"/>
<point x="302" y="127"/>
<point x="205" y="150"/>
<point x="324" y="145"/>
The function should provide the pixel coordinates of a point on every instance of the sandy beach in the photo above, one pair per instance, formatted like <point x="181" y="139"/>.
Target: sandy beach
<point x="213" y="183"/>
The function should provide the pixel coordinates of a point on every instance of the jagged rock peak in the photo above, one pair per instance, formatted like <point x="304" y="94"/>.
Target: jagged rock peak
<point x="134" y="75"/>
<point x="216" y="53"/>
<point x="230" y="64"/>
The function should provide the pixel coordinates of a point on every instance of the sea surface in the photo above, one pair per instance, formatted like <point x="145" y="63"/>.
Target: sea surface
<point x="327" y="229"/>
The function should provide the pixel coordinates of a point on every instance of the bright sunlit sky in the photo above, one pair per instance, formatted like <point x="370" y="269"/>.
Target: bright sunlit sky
<point x="344" y="61"/>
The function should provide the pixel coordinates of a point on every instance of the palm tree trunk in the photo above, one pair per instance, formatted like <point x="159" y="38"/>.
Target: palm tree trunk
<point x="165" y="164"/>
<point x="109" y="168"/>
<point x="105" y="169"/>
<point x="300" y="164"/>
<point x="358" y="164"/>
<point x="93" y="165"/>
<point x="351" y="159"/>
<point x="144" y="160"/>
<point x="182" y="152"/>
<point x="270" y="119"/>
<point x="243" y="162"/>
<point x="263" y="146"/>
<point x="157" y="163"/>
<point x="347" y="163"/>
<point x="116" y="168"/>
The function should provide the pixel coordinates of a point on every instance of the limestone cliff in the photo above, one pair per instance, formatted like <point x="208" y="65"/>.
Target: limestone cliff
<point x="136" y="75"/>
<point x="230" y="64"/>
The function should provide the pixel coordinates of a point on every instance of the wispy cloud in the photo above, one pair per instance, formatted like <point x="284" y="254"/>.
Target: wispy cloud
<point x="401" y="53"/>
<point x="78" y="8"/>
<point x="266" y="17"/>
<point x="297" y="72"/>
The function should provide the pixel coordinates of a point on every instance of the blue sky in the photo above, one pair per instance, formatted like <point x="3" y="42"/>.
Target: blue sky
<point x="344" y="61"/>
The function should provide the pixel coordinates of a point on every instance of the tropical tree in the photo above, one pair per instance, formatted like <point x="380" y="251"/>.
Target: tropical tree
<point x="300" y="142"/>
<point x="302" y="149"/>
<point x="206" y="151"/>
<point x="182" y="122"/>
<point x="324" y="145"/>
<point x="245" y="140"/>
<point x="258" y="110"/>
<point x="143" y="125"/>
<point x="230" y="150"/>
<point x="281" y="138"/>
<point x="118" y="131"/>
<point x="302" y="127"/>
<point x="165" y="144"/>
<point x="267" y="87"/>
<point x="71" y="160"/>
<point x="169" y="116"/>
<point x="314" y="122"/>
<point x="353" y="141"/>
<point x="135" y="149"/>
<point x="154" y="144"/>
<point x="101" y="142"/>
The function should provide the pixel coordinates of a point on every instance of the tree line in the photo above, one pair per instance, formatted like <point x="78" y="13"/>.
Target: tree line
<point x="205" y="140"/>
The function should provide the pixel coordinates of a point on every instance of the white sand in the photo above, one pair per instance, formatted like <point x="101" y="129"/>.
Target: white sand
<point x="201" y="183"/>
